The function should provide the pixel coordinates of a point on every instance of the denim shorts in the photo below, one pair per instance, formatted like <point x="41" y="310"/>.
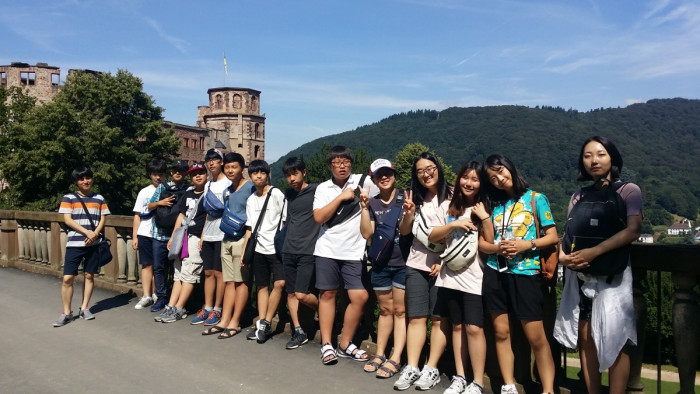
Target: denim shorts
<point x="386" y="277"/>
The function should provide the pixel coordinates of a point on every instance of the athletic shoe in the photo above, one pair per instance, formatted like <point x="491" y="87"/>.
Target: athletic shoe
<point x="429" y="377"/>
<point x="63" y="320"/>
<point x="509" y="389"/>
<point x="298" y="339"/>
<point x="474" y="388"/>
<point x="253" y="335"/>
<point x="409" y="375"/>
<point x="458" y="385"/>
<point x="265" y="331"/>
<point x="144" y="302"/>
<point x="154" y="297"/>
<point x="86" y="314"/>
<point x="213" y="318"/>
<point x="159" y="305"/>
<point x="200" y="317"/>
<point x="166" y="311"/>
<point x="175" y="315"/>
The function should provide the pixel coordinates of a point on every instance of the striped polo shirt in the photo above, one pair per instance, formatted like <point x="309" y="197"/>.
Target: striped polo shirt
<point x="95" y="204"/>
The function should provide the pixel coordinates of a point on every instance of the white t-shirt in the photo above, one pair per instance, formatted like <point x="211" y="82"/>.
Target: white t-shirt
<point x="141" y="206"/>
<point x="342" y="241"/>
<point x="420" y="257"/>
<point x="211" y="232"/>
<point x="268" y="227"/>
<point x="469" y="278"/>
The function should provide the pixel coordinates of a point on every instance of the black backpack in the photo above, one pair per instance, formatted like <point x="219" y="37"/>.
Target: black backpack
<point x="598" y="215"/>
<point x="165" y="217"/>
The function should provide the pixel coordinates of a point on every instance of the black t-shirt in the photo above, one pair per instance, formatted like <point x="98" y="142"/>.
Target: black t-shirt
<point x="377" y="212"/>
<point x="186" y="207"/>
<point x="302" y="229"/>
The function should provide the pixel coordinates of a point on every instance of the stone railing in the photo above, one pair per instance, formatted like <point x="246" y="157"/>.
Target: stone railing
<point x="35" y="241"/>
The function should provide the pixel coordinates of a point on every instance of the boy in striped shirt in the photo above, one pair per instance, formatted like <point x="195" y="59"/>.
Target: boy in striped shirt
<point x="82" y="242"/>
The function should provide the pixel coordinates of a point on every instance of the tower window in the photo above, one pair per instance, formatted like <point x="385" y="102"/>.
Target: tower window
<point x="237" y="101"/>
<point x="219" y="101"/>
<point x="55" y="79"/>
<point x="27" y="78"/>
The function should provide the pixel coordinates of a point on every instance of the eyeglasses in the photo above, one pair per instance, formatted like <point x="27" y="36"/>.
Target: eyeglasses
<point x="430" y="170"/>
<point x="213" y="160"/>
<point x="341" y="163"/>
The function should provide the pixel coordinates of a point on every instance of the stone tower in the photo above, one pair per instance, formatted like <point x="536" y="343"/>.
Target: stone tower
<point x="233" y="116"/>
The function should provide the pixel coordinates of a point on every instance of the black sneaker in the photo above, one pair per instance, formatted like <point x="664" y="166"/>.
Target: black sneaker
<point x="298" y="339"/>
<point x="264" y="333"/>
<point x="253" y="335"/>
<point x="159" y="305"/>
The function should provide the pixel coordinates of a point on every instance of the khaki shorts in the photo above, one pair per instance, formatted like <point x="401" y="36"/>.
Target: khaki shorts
<point x="231" y="269"/>
<point x="189" y="269"/>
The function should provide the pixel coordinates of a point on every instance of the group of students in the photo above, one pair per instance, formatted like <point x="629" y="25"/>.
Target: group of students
<point x="327" y="228"/>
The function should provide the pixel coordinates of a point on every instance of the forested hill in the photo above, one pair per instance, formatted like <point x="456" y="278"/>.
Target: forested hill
<point x="659" y="141"/>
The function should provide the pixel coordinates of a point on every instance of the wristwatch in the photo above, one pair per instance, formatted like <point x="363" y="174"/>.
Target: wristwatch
<point x="532" y="242"/>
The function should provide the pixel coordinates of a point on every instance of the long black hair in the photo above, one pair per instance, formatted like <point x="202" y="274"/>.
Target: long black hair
<point x="459" y="201"/>
<point x="419" y="191"/>
<point x="495" y="195"/>
<point x="615" y="159"/>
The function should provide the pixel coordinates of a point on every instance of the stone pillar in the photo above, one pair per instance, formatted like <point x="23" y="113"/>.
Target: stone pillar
<point x="22" y="240"/>
<point x="8" y="241"/>
<point x="64" y="242"/>
<point x="636" y="353"/>
<point x="31" y="255"/>
<point x="44" y="235"/>
<point x="121" y="256"/>
<point x="686" y="320"/>
<point x="133" y="271"/>
<point x="55" y="251"/>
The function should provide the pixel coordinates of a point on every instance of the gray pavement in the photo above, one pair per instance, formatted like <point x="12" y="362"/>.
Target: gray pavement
<point x="124" y="350"/>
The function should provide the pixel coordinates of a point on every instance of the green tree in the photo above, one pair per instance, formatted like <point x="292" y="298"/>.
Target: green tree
<point x="101" y="120"/>
<point x="404" y="162"/>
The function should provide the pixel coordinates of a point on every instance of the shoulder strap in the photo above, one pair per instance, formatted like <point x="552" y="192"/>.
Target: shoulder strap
<point x="360" y="185"/>
<point x="534" y="215"/>
<point x="189" y="218"/>
<point x="262" y="211"/>
<point x="279" y="224"/>
<point x="87" y="213"/>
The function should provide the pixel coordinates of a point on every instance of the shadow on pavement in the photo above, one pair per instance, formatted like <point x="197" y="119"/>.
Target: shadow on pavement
<point x="112" y="302"/>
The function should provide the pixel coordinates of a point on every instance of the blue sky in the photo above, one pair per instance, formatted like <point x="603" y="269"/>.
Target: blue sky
<point x="326" y="67"/>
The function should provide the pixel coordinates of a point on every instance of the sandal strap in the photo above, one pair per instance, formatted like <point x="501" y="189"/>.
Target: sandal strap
<point x="327" y="349"/>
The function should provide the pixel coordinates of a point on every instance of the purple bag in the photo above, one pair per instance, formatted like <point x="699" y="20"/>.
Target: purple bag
<point x="185" y="249"/>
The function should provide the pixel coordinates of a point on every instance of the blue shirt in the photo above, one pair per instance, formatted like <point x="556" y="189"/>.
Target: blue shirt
<point x="516" y="214"/>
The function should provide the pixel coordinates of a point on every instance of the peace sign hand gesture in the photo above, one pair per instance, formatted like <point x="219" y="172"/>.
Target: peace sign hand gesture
<point x="364" y="197"/>
<point x="409" y="208"/>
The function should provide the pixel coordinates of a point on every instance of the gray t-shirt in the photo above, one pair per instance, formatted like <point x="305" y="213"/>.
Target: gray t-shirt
<point x="302" y="229"/>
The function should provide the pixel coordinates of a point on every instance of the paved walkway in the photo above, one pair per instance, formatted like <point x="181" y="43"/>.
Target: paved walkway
<point x="124" y="350"/>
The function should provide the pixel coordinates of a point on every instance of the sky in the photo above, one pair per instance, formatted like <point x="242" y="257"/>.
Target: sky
<point x="326" y="66"/>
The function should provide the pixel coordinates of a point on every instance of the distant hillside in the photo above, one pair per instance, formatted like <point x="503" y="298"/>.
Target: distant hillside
<point x="659" y="141"/>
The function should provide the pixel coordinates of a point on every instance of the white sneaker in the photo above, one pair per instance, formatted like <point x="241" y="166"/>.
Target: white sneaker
<point x="429" y="377"/>
<point x="154" y="297"/>
<point x="144" y="302"/>
<point x="408" y="376"/>
<point x="458" y="385"/>
<point x="509" y="389"/>
<point x="474" y="388"/>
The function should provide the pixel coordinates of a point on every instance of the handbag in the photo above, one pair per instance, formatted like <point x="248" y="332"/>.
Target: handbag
<point x="212" y="204"/>
<point x="549" y="256"/>
<point x="231" y="224"/>
<point x="347" y="208"/>
<point x="104" y="252"/>
<point x="421" y="230"/>
<point x="179" y="239"/>
<point x="253" y="239"/>
<point x="461" y="251"/>
<point x="281" y="234"/>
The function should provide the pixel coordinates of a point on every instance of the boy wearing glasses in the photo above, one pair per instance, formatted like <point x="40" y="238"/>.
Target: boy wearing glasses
<point x="338" y="254"/>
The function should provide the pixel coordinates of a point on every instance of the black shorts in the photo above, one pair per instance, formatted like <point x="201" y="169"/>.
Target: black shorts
<point x="460" y="307"/>
<point x="211" y="255"/>
<point x="421" y="293"/>
<point x="299" y="272"/>
<point x="76" y="255"/>
<point x="265" y="265"/>
<point x="520" y="295"/>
